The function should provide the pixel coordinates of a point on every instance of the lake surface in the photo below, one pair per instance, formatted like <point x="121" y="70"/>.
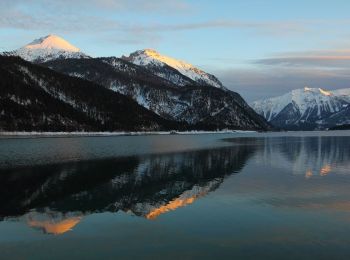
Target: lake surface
<point x="227" y="196"/>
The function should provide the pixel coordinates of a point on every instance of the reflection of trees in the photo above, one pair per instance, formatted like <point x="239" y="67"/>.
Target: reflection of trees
<point x="148" y="185"/>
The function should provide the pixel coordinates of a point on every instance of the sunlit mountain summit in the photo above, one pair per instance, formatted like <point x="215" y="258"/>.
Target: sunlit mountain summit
<point x="48" y="48"/>
<point x="164" y="67"/>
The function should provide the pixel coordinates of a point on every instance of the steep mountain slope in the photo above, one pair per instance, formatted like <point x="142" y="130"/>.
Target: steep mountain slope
<point x="176" y="71"/>
<point x="205" y="106"/>
<point x="307" y="108"/>
<point x="37" y="98"/>
<point x="47" y="48"/>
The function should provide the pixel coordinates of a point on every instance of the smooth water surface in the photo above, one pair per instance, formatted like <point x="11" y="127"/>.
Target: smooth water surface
<point x="233" y="196"/>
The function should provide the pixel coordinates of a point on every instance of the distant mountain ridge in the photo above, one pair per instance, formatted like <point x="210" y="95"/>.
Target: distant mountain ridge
<point x="306" y="109"/>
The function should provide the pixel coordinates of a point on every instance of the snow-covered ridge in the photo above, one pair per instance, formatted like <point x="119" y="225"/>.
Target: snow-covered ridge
<point x="150" y="58"/>
<point x="48" y="48"/>
<point x="303" y="105"/>
<point x="302" y="99"/>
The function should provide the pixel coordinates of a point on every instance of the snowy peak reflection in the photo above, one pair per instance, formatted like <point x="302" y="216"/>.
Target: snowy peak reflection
<point x="186" y="198"/>
<point x="146" y="186"/>
<point x="52" y="223"/>
<point x="308" y="156"/>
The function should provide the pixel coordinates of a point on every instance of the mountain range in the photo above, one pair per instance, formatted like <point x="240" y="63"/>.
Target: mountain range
<point x="306" y="109"/>
<point x="142" y="91"/>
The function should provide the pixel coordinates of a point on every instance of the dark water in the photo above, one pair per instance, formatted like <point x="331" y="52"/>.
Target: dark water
<point x="233" y="196"/>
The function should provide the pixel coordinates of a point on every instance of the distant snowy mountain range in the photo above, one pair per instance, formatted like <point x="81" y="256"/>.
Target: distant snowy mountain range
<point x="307" y="108"/>
<point x="173" y="90"/>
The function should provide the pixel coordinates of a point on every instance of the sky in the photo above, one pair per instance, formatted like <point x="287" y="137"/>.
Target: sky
<point x="259" y="48"/>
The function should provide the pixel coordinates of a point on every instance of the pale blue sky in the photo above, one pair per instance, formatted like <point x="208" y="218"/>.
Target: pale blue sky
<point x="258" y="48"/>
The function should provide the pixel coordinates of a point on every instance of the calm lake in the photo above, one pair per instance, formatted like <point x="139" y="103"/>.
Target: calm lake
<point x="224" y="196"/>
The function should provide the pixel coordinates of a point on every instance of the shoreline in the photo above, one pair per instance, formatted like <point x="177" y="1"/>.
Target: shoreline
<point x="122" y="133"/>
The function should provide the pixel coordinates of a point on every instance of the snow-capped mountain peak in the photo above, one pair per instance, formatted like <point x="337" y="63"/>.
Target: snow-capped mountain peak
<point x="151" y="59"/>
<point x="147" y="56"/>
<point x="51" y="42"/>
<point x="48" y="48"/>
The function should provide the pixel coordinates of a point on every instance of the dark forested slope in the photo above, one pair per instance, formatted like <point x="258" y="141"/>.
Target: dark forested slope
<point x="36" y="98"/>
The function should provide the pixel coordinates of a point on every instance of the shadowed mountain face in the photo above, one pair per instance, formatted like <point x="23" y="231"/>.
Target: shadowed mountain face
<point x="147" y="186"/>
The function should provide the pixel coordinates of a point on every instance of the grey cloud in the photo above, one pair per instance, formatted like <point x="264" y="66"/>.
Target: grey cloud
<point x="63" y="14"/>
<point x="283" y="72"/>
<point x="22" y="20"/>
<point x="63" y="9"/>
<point x="326" y="58"/>
<point x="275" y="28"/>
<point x="168" y="6"/>
<point x="18" y="19"/>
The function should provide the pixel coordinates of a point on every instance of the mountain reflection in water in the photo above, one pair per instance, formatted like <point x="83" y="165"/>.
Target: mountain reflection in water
<point x="55" y="198"/>
<point x="309" y="156"/>
<point x="51" y="226"/>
